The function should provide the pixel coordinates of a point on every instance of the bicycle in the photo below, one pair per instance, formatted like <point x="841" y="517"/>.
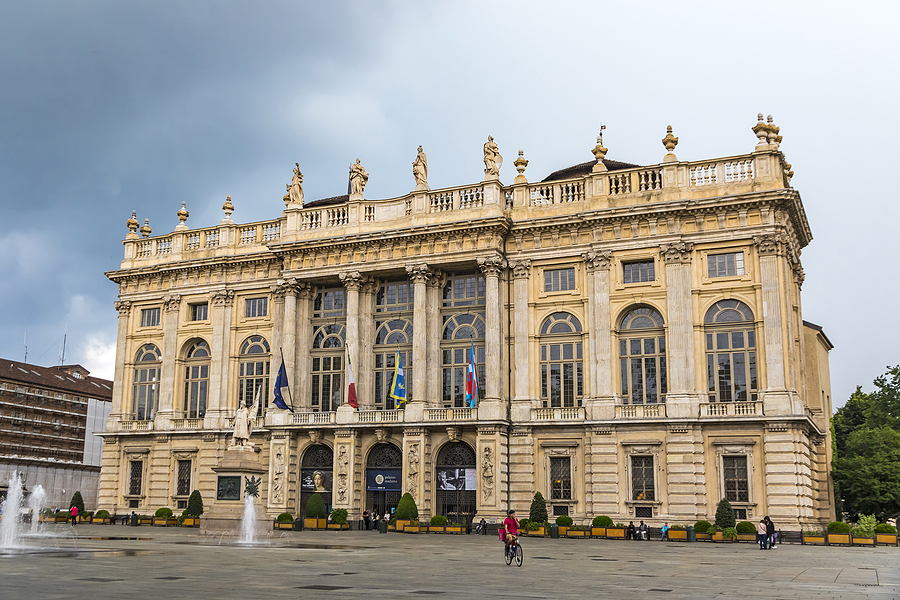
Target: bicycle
<point x="514" y="551"/>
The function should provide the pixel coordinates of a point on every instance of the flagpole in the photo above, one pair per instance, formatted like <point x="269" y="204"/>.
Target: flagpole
<point x="287" y="383"/>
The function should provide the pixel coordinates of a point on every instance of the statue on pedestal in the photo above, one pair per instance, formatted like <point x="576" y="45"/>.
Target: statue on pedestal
<point x="295" y="189"/>
<point x="358" y="178"/>
<point x="243" y="422"/>
<point x="420" y="170"/>
<point x="492" y="158"/>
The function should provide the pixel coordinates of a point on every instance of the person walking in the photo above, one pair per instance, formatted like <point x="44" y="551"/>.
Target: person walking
<point x="366" y="520"/>
<point x="74" y="513"/>
<point x="761" y="534"/>
<point x="770" y="532"/>
<point x="664" y="532"/>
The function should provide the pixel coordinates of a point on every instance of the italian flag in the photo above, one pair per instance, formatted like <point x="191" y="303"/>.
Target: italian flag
<point x="351" y="392"/>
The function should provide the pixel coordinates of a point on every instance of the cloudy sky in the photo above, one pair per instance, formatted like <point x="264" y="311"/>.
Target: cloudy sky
<point x="109" y="107"/>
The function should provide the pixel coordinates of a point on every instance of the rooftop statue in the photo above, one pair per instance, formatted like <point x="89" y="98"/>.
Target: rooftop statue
<point x="420" y="170"/>
<point x="295" y="189"/>
<point x="358" y="178"/>
<point x="492" y="159"/>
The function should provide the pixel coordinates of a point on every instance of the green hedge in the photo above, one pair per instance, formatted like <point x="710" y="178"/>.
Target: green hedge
<point x="701" y="526"/>
<point x="538" y="512"/>
<point x="564" y="520"/>
<point x="745" y="527"/>
<point x="885" y="528"/>
<point x="406" y="508"/>
<point x="838" y="527"/>
<point x="102" y="514"/>
<point x="164" y="512"/>
<point x="602" y="521"/>
<point x="195" y="504"/>
<point x="439" y="520"/>
<point x="339" y="515"/>
<point x="725" y="514"/>
<point x="285" y="517"/>
<point x="315" y="507"/>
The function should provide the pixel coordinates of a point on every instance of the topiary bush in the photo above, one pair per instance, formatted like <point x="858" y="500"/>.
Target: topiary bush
<point x="195" y="504"/>
<point x="439" y="520"/>
<point x="78" y="501"/>
<point x="285" y="517"/>
<point x="102" y="514"/>
<point x="532" y="526"/>
<point x="564" y="520"/>
<point x="523" y="523"/>
<point x="538" y="512"/>
<point x="315" y="507"/>
<point x="702" y="526"/>
<point x="164" y="512"/>
<point x="725" y="514"/>
<point x="406" y="508"/>
<point x="339" y="515"/>
<point x="885" y="528"/>
<point x="745" y="527"/>
<point x="838" y="527"/>
<point x="602" y="521"/>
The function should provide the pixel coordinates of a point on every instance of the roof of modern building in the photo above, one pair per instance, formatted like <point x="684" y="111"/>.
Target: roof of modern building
<point x="73" y="379"/>
<point x="585" y="168"/>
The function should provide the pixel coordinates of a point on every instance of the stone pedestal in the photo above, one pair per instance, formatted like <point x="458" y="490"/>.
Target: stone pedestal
<point x="227" y="511"/>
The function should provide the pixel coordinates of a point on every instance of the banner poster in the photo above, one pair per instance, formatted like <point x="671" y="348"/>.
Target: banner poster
<point x="456" y="479"/>
<point x="470" y="480"/>
<point x="383" y="479"/>
<point x="315" y="480"/>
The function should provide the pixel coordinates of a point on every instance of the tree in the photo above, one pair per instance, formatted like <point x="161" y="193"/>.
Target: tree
<point x="868" y="474"/>
<point x="315" y="507"/>
<point x="724" y="514"/>
<point x="538" y="513"/>
<point x="406" y="508"/>
<point x="195" y="504"/>
<point x="849" y="418"/>
<point x="78" y="501"/>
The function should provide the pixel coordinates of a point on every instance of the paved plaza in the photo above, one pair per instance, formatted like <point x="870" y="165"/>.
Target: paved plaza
<point x="181" y="563"/>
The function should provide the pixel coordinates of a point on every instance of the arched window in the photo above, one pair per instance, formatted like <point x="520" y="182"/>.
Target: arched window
<point x="562" y="373"/>
<point x="254" y="371"/>
<point x="460" y="332"/>
<point x="316" y="470"/>
<point x="454" y="482"/>
<point x="392" y="338"/>
<point x="327" y="367"/>
<point x="642" y="354"/>
<point x="730" y="352"/>
<point x="384" y="475"/>
<point x="145" y="392"/>
<point x="196" y="379"/>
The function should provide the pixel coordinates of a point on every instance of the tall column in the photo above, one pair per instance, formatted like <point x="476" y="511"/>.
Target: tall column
<point x="603" y="405"/>
<point x="682" y="401"/>
<point x="171" y="306"/>
<point x="352" y="282"/>
<point x="521" y="410"/>
<point x="434" y="388"/>
<point x="491" y="267"/>
<point x="279" y="293"/>
<point x="302" y="360"/>
<point x="776" y="398"/>
<point x="289" y="331"/>
<point x="220" y="302"/>
<point x="119" y="407"/>
<point x="365" y="390"/>
<point x="419" y="274"/>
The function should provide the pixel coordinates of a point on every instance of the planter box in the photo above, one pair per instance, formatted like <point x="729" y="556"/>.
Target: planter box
<point x="61" y="519"/>
<point x="718" y="536"/>
<point x="338" y="526"/>
<point x="703" y="537"/>
<point x="314" y="523"/>
<point x="84" y="519"/>
<point x="598" y="532"/>
<point x="562" y="530"/>
<point x="746" y="537"/>
<point x="455" y="529"/>
<point x="577" y="533"/>
<point x="886" y="539"/>
<point x="414" y="528"/>
<point x="863" y="541"/>
<point x="678" y="535"/>
<point x="539" y="532"/>
<point x="436" y="529"/>
<point x="838" y="539"/>
<point x="159" y="521"/>
<point x="615" y="533"/>
<point x="145" y="520"/>
<point x="100" y="520"/>
<point x="278" y="525"/>
<point x="194" y="522"/>
<point x="813" y="540"/>
<point x="400" y="524"/>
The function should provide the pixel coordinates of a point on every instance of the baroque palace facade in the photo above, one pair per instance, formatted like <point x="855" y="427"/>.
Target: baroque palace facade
<point x="638" y="334"/>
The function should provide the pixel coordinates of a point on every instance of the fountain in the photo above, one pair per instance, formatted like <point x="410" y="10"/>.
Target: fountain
<point x="248" y="521"/>
<point x="35" y="503"/>
<point x="10" y="535"/>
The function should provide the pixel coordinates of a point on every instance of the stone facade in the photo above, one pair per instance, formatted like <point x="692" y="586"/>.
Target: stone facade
<point x="638" y="336"/>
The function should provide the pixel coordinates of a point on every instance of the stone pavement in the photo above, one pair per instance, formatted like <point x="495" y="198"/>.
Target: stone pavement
<point x="181" y="563"/>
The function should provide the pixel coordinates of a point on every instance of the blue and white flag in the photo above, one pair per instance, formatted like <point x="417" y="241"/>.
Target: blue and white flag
<point x="282" y="382"/>
<point x="398" y="389"/>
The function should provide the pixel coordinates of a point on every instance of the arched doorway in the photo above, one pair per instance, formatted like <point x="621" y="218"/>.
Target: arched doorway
<point x="315" y="475"/>
<point x="384" y="472"/>
<point x="455" y="483"/>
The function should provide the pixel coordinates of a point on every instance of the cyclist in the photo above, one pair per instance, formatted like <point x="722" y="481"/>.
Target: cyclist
<point x="512" y="528"/>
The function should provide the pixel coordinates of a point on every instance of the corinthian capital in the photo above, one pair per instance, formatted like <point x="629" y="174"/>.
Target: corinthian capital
<point x="597" y="261"/>
<point x="222" y="297"/>
<point x="419" y="273"/>
<point x="304" y="290"/>
<point x="124" y="307"/>
<point x="352" y="280"/>
<point x="676" y="252"/>
<point x="172" y="302"/>
<point x="769" y="244"/>
<point x="491" y="265"/>
<point x="521" y="268"/>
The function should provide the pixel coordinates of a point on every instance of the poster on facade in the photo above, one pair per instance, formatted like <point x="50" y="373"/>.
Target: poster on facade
<point x="470" y="480"/>
<point x="383" y="479"/>
<point x="314" y="480"/>
<point x="456" y="479"/>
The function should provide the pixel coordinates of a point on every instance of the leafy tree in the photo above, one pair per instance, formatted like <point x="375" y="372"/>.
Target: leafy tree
<point x="195" y="504"/>
<point x="868" y="474"/>
<point x="315" y="507"/>
<point x="406" y="508"/>
<point x="884" y="402"/>
<point x="538" y="512"/>
<point x="849" y="418"/>
<point x="78" y="501"/>
<point x="725" y="514"/>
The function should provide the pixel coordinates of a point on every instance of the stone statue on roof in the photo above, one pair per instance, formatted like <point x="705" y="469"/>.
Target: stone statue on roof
<point x="492" y="159"/>
<point x="358" y="178"/>
<point x="295" y="189"/>
<point x="420" y="170"/>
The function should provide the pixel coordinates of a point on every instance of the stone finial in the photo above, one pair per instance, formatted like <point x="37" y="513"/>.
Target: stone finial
<point x="599" y="154"/>
<point x="772" y="134"/>
<point x="132" y="224"/>
<point x="228" y="207"/>
<point x="520" y="163"/>
<point x="146" y="230"/>
<point x="670" y="141"/>
<point x="762" y="131"/>
<point x="183" y="215"/>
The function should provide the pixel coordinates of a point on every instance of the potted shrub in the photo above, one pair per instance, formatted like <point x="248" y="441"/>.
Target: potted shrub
<point x="599" y="525"/>
<point x="812" y="538"/>
<point x="729" y="534"/>
<point x="537" y="515"/>
<point x="578" y="531"/>
<point x="61" y="516"/>
<point x="455" y="528"/>
<point x="716" y="533"/>
<point x="162" y="516"/>
<point x="536" y="529"/>
<point x="885" y="534"/>
<point x="438" y="524"/>
<point x="725" y="514"/>
<point x="616" y="532"/>
<point x="406" y="513"/>
<point x="746" y="531"/>
<point x="701" y="531"/>
<point x="101" y="517"/>
<point x="864" y="532"/>
<point x="284" y="521"/>
<point x="339" y="519"/>
<point x="563" y="522"/>
<point x="191" y="515"/>
<point x="315" y="513"/>
<point x="78" y="501"/>
<point x="677" y="533"/>
<point x="838" y="534"/>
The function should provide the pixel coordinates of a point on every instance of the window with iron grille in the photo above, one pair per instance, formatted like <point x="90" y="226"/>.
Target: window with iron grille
<point x="559" y="280"/>
<point x="740" y="514"/>
<point x="256" y="307"/>
<point x="183" y="487"/>
<point x="639" y="271"/>
<point x="150" y="317"/>
<point x="737" y="487"/>
<point x="726" y="265"/>
<point x="642" y="483"/>
<point x="199" y="312"/>
<point x="135" y="482"/>
<point x="560" y="478"/>
<point x="643" y="512"/>
<point x="560" y="510"/>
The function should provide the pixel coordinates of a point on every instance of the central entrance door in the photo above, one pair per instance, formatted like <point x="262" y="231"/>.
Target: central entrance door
<point x="456" y="483"/>
<point x="384" y="472"/>
<point x="315" y="475"/>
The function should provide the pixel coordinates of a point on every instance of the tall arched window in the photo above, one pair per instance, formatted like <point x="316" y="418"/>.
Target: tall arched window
<point x="327" y="367"/>
<point x="454" y="482"/>
<point x="254" y="371"/>
<point x="730" y="352"/>
<point x="196" y="379"/>
<point x="642" y="353"/>
<point x="392" y="338"/>
<point x="562" y="374"/>
<point x="384" y="475"/>
<point x="316" y="469"/>
<point x="145" y="392"/>
<point x="456" y="350"/>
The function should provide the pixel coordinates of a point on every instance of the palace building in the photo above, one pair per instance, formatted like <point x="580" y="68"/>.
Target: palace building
<point x="637" y="330"/>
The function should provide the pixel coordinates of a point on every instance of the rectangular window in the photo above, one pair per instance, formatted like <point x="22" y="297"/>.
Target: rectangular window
<point x="183" y="484"/>
<point x="327" y="386"/>
<point x="639" y="271"/>
<point x="199" y="312"/>
<point x="559" y="280"/>
<point x="736" y="483"/>
<point x="726" y="265"/>
<point x="562" y="380"/>
<point x="464" y="290"/>
<point x="150" y="317"/>
<point x="560" y="478"/>
<point x="642" y="482"/>
<point x="135" y="482"/>
<point x="395" y="296"/>
<point x="455" y="366"/>
<point x="329" y="303"/>
<point x="643" y="370"/>
<point x="256" y="307"/>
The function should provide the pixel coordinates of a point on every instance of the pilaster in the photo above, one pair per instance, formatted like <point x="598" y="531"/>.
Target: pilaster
<point x="279" y="457"/>
<point x="682" y="401"/>
<point x="776" y="397"/>
<point x="346" y="493"/>
<point x="522" y="484"/>
<point x="352" y="282"/>
<point x="416" y="457"/>
<point x="302" y="359"/>
<point x="789" y="490"/>
<point x="434" y="389"/>
<point x="419" y="274"/>
<point x="492" y="465"/>
<point x="493" y="407"/>
<point x="602" y="403"/>
<point x="685" y="472"/>
<point x="220" y="302"/>
<point x="603" y="490"/>
<point x="521" y="408"/>
<point x="279" y="294"/>
<point x="171" y="309"/>
<point x="365" y="389"/>
<point x="123" y="307"/>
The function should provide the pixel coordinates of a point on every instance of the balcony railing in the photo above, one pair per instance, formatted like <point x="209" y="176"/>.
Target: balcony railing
<point x="730" y="409"/>
<point x="379" y="416"/>
<point x="135" y="425"/>
<point x="451" y="414"/>
<point x="312" y="418"/>
<point x="640" y="411"/>
<point x="188" y="423"/>
<point x="557" y="414"/>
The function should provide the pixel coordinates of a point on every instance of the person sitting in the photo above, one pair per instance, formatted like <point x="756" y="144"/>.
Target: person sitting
<point x="642" y="530"/>
<point x="629" y="535"/>
<point x="664" y="532"/>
